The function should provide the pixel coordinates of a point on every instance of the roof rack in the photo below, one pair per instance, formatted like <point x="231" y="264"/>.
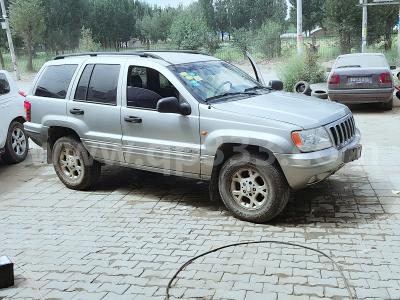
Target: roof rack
<point x="141" y="53"/>
<point x="94" y="54"/>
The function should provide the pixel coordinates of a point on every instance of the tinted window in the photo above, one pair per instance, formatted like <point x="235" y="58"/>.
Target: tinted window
<point x="81" y="90"/>
<point x="4" y="85"/>
<point x="103" y="84"/>
<point x="55" y="81"/>
<point x="362" y="61"/>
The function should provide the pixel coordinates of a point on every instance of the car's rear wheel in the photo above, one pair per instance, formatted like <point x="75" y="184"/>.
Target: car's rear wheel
<point x="388" y="105"/>
<point x="74" y="165"/>
<point x="16" y="148"/>
<point x="252" y="188"/>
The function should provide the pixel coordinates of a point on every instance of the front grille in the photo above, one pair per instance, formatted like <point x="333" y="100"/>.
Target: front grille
<point x="343" y="131"/>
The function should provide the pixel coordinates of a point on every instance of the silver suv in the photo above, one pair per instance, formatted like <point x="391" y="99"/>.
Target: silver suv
<point x="188" y="114"/>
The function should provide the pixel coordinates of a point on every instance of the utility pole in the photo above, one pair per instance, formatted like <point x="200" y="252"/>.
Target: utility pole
<point x="364" y="26"/>
<point x="10" y="43"/>
<point x="299" y="26"/>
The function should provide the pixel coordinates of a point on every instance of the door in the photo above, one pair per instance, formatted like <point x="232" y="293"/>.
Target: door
<point x="6" y="113"/>
<point x="94" y="112"/>
<point x="153" y="140"/>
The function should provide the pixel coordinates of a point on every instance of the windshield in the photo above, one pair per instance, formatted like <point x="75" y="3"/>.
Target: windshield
<point x="215" y="80"/>
<point x="369" y="61"/>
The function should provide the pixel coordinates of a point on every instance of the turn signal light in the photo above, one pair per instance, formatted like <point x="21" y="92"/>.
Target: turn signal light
<point x="386" y="78"/>
<point x="27" y="109"/>
<point x="296" y="139"/>
<point x="22" y="94"/>
<point x="334" y="79"/>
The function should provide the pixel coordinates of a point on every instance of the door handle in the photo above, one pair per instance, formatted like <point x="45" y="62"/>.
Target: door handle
<point x="75" y="111"/>
<point x="133" y="119"/>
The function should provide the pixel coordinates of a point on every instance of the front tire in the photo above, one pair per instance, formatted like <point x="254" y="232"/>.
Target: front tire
<point x="253" y="189"/>
<point x="17" y="145"/>
<point x="74" y="165"/>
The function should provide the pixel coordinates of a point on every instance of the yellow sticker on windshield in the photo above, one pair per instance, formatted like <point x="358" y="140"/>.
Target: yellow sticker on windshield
<point x="189" y="77"/>
<point x="184" y="73"/>
<point x="198" y="78"/>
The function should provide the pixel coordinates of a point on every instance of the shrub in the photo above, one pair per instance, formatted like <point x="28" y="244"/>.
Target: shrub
<point x="86" y="43"/>
<point x="303" y="67"/>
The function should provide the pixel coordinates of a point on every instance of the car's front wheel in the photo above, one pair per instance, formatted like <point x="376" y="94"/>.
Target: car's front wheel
<point x="16" y="148"/>
<point x="74" y="165"/>
<point x="252" y="188"/>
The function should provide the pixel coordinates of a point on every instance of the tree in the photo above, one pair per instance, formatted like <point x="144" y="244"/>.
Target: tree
<point x="27" y="21"/>
<point x="313" y="13"/>
<point x="381" y="21"/>
<point x="86" y="42"/>
<point x="189" y="30"/>
<point x="344" y="18"/>
<point x="268" y="39"/>
<point x="242" y="39"/>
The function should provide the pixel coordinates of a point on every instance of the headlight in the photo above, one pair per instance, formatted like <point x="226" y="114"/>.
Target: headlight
<point x="312" y="140"/>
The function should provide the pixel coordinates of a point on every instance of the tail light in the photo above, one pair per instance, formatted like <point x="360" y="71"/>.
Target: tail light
<point x="27" y="109"/>
<point x="22" y="94"/>
<point x="386" y="78"/>
<point x="334" y="79"/>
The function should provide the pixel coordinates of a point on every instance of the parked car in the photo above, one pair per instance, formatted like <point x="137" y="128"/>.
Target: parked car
<point x="13" y="138"/>
<point x="188" y="114"/>
<point x="361" y="78"/>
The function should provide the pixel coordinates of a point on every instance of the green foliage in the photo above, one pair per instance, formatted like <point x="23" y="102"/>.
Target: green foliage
<point x="86" y="43"/>
<point x="27" y="21"/>
<point x="343" y="18"/>
<point x="303" y="67"/>
<point x="155" y="27"/>
<point x="189" y="30"/>
<point x="268" y="39"/>
<point x="242" y="38"/>
<point x="313" y="14"/>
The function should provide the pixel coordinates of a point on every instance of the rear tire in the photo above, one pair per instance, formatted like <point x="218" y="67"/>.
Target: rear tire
<point x="74" y="165"/>
<point x="17" y="145"/>
<point x="388" y="105"/>
<point x="253" y="189"/>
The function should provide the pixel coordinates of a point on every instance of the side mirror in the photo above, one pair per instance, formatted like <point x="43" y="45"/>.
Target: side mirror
<point x="276" y="85"/>
<point x="172" y="105"/>
<point x="328" y="69"/>
<point x="392" y="67"/>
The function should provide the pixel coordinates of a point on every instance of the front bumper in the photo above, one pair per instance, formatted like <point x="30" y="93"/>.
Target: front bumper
<point x="355" y="96"/>
<point x="304" y="169"/>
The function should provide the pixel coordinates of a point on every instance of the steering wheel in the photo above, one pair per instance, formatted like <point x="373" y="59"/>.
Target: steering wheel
<point x="221" y="85"/>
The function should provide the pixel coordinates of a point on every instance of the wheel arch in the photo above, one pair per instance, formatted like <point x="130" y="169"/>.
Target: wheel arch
<point x="53" y="134"/>
<point x="226" y="151"/>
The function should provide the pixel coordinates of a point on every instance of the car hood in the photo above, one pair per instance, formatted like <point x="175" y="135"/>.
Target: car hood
<point x="304" y="111"/>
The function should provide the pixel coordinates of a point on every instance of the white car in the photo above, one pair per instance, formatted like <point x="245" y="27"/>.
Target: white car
<point x="13" y="138"/>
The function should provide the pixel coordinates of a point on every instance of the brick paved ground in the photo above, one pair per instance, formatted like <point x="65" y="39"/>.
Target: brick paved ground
<point x="127" y="237"/>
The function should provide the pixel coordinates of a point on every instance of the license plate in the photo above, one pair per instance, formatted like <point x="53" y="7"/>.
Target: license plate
<point x="359" y="79"/>
<point x="352" y="153"/>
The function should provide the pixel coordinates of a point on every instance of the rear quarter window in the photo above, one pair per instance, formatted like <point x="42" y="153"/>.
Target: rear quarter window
<point x="4" y="85"/>
<point x="54" y="81"/>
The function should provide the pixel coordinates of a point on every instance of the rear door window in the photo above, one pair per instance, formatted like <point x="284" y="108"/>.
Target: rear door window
<point x="4" y="85"/>
<point x="55" y="81"/>
<point x="98" y="84"/>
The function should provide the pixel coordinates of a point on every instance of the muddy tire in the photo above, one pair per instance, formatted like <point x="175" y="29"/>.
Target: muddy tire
<point x="253" y="189"/>
<point x="74" y="165"/>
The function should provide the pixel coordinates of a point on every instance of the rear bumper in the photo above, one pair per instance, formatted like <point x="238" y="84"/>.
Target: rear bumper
<point x="37" y="133"/>
<point x="353" y="96"/>
<point x="304" y="169"/>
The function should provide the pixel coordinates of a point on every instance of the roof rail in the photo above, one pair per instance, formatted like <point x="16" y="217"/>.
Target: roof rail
<point x="141" y="53"/>
<point x="94" y="54"/>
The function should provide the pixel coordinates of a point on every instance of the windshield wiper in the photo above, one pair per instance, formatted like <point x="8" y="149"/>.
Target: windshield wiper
<point x="230" y="94"/>
<point x="257" y="88"/>
<point x="350" y="66"/>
